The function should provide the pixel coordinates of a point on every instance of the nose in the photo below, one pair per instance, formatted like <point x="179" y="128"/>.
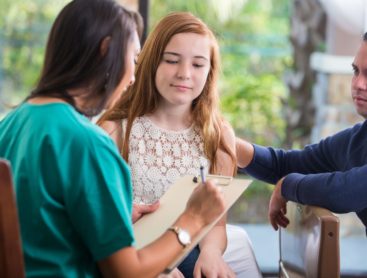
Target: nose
<point x="183" y="71"/>
<point x="360" y="82"/>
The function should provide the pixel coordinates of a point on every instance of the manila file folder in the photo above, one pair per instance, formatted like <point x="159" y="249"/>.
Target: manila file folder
<point x="173" y="203"/>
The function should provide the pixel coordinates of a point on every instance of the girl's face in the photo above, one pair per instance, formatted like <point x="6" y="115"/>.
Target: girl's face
<point x="183" y="70"/>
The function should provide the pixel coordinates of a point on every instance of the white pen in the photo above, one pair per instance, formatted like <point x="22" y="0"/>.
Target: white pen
<point x="202" y="174"/>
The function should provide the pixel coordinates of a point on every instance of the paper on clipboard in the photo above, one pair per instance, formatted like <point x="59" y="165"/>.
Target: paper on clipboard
<point x="173" y="203"/>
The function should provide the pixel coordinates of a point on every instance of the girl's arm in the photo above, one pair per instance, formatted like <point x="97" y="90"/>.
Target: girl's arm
<point x="210" y="262"/>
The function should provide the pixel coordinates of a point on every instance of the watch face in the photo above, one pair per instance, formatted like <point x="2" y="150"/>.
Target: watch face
<point x="184" y="237"/>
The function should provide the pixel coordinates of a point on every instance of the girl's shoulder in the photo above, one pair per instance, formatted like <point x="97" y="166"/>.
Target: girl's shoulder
<point x="227" y="131"/>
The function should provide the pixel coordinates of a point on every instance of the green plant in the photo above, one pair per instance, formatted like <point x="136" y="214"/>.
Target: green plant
<point x="24" y="25"/>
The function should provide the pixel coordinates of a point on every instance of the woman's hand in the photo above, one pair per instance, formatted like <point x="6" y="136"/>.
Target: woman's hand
<point x="278" y="208"/>
<point x="140" y="210"/>
<point x="206" y="203"/>
<point x="211" y="264"/>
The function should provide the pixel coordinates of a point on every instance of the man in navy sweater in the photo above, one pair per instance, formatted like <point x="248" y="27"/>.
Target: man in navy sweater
<point x="330" y="174"/>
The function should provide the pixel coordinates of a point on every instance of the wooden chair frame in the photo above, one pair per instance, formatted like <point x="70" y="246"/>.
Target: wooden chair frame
<point x="309" y="246"/>
<point x="11" y="255"/>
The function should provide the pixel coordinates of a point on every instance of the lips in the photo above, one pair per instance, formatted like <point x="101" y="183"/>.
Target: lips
<point x="359" y="98"/>
<point x="359" y="101"/>
<point x="181" y="87"/>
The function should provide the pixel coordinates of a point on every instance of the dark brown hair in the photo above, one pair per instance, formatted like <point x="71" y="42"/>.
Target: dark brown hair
<point x="73" y="58"/>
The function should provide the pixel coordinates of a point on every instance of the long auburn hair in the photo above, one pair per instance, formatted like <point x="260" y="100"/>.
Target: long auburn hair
<point x="73" y="58"/>
<point x="143" y="97"/>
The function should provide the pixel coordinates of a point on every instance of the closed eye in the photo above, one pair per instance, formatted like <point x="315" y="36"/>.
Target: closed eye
<point x="198" y="65"/>
<point x="171" y="61"/>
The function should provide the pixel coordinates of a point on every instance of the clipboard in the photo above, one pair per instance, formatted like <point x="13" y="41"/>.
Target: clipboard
<point x="173" y="203"/>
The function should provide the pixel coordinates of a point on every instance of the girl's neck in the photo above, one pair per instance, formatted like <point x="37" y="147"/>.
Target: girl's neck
<point x="175" y="119"/>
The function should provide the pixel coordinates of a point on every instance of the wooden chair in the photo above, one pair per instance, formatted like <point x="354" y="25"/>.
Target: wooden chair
<point x="309" y="246"/>
<point x="11" y="256"/>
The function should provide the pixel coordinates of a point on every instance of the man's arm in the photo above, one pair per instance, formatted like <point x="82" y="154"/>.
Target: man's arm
<point x="245" y="153"/>
<point x="339" y="192"/>
<point x="270" y="164"/>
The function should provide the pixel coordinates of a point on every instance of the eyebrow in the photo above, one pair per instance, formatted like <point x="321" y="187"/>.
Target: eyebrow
<point x="179" y="55"/>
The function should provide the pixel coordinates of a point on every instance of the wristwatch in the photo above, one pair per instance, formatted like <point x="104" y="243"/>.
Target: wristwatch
<point x="183" y="236"/>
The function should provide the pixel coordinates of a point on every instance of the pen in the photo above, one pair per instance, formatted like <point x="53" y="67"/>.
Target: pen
<point x="202" y="174"/>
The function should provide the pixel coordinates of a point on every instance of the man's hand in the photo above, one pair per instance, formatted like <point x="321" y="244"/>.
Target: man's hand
<point x="140" y="210"/>
<point x="278" y="207"/>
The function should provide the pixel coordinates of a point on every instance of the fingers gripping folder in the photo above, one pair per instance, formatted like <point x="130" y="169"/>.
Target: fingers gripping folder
<point x="173" y="203"/>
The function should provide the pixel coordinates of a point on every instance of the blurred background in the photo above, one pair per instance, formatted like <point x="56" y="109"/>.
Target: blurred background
<point x="285" y="82"/>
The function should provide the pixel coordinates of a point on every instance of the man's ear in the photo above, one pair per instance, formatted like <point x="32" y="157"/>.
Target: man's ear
<point x="105" y="45"/>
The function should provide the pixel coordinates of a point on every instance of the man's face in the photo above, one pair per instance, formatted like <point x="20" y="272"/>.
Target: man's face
<point x="359" y="80"/>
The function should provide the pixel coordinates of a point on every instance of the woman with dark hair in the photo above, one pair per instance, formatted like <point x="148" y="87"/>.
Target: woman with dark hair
<point x="73" y="189"/>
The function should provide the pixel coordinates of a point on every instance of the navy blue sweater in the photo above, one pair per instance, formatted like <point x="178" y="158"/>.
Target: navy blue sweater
<point x="330" y="174"/>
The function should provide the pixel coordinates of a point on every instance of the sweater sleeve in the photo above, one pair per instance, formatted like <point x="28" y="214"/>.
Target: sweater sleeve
<point x="340" y="192"/>
<point x="330" y="174"/>
<point x="270" y="164"/>
<point x="329" y="155"/>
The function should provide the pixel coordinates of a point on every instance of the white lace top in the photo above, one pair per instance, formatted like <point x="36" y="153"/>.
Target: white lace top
<point x="158" y="157"/>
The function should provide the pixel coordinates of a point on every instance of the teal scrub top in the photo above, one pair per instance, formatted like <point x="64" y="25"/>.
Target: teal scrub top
<point x="72" y="187"/>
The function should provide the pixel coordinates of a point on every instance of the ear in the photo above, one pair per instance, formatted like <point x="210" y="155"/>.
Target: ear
<point x="104" y="45"/>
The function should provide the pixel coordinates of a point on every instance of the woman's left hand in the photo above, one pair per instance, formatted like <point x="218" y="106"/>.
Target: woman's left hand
<point x="210" y="264"/>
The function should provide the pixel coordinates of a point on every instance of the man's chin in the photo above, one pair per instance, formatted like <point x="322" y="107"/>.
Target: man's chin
<point x="362" y="113"/>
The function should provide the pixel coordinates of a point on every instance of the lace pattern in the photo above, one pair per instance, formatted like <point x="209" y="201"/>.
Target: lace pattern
<point x="158" y="157"/>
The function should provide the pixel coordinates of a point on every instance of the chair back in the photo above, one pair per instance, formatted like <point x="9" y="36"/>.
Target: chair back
<point x="11" y="256"/>
<point x="309" y="246"/>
